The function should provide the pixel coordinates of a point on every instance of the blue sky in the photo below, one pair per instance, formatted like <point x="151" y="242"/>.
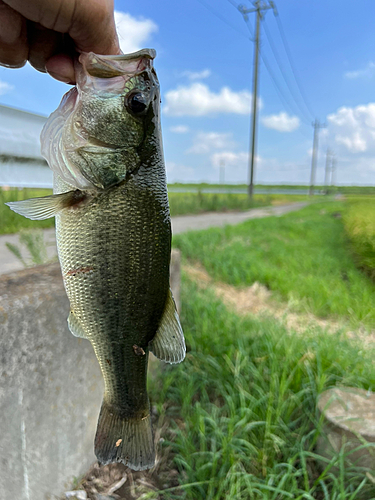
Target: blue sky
<point x="204" y="64"/>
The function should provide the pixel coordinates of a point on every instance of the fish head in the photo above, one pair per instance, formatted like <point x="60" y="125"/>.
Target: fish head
<point x="93" y="139"/>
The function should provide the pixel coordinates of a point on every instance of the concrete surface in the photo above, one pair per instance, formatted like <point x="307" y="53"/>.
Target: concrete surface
<point x="10" y="263"/>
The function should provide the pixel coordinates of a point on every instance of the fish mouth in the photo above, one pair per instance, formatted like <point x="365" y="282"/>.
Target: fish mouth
<point x="98" y="66"/>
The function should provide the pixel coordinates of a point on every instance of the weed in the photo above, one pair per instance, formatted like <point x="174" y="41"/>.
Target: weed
<point x="243" y="412"/>
<point x="33" y="241"/>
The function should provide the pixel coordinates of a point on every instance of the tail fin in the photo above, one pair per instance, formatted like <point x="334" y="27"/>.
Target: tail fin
<point x="126" y="440"/>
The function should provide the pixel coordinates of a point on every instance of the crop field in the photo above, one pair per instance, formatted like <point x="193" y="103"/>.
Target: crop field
<point x="241" y="408"/>
<point x="347" y="190"/>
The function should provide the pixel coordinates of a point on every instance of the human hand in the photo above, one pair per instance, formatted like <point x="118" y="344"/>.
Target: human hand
<point x="50" y="33"/>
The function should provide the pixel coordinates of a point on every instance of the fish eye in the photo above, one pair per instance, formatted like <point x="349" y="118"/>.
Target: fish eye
<point x="137" y="103"/>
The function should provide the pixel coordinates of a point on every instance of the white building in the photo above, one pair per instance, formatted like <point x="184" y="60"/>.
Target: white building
<point x="21" y="164"/>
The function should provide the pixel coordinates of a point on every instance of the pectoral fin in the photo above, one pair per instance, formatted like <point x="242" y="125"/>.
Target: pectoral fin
<point x="75" y="326"/>
<point x="48" y="206"/>
<point x="169" y="343"/>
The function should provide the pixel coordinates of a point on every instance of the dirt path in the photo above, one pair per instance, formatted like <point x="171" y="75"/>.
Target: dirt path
<point x="258" y="300"/>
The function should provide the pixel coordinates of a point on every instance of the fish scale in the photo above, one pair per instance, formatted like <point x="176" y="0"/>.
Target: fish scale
<point x="113" y="231"/>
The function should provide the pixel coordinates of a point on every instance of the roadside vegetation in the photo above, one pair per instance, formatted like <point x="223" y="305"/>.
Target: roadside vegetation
<point x="359" y="221"/>
<point x="241" y="408"/>
<point x="302" y="258"/>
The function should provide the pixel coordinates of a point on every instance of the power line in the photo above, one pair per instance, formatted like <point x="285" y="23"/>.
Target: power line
<point x="219" y="16"/>
<point x="235" y="4"/>
<point x="289" y="55"/>
<point x="284" y="99"/>
<point x="282" y="96"/>
<point x="282" y="71"/>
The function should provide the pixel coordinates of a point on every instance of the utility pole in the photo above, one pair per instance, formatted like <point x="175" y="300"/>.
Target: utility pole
<point x="316" y="126"/>
<point x="333" y="171"/>
<point x="222" y="172"/>
<point x="259" y="7"/>
<point x="326" y="177"/>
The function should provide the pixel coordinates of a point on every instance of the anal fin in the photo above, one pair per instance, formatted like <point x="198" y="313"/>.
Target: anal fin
<point x="75" y="326"/>
<point x="169" y="343"/>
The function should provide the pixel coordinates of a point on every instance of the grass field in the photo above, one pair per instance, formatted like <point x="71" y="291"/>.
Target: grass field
<point x="355" y="190"/>
<point x="303" y="258"/>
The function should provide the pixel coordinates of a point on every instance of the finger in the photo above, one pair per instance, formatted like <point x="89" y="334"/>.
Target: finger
<point x="13" y="38"/>
<point x="90" y="24"/>
<point x="43" y="44"/>
<point x="61" y="67"/>
<point x="94" y="29"/>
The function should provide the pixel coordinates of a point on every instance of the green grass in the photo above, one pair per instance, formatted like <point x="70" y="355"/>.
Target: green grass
<point x="358" y="190"/>
<point x="303" y="257"/>
<point x="242" y="408"/>
<point x="11" y="222"/>
<point x="359" y="222"/>
<point x="195" y="203"/>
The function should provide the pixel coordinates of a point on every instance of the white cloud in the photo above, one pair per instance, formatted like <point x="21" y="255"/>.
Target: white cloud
<point x="133" y="32"/>
<point x="5" y="87"/>
<point x="197" y="75"/>
<point x="179" y="173"/>
<point x="366" y="72"/>
<point x="199" y="100"/>
<point x="354" y="128"/>
<point x="230" y="159"/>
<point x="205" y="142"/>
<point x="179" y="129"/>
<point x="281" y="122"/>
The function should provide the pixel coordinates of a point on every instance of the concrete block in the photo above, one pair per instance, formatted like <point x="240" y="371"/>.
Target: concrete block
<point x="51" y="387"/>
<point x="349" y="420"/>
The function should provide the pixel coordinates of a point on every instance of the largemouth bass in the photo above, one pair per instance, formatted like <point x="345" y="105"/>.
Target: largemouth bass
<point x="113" y="231"/>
